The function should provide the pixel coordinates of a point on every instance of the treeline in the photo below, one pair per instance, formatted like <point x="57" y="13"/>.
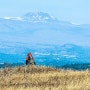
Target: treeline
<point x="76" y="66"/>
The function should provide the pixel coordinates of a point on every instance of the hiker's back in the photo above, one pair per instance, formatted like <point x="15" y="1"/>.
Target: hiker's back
<point x="30" y="60"/>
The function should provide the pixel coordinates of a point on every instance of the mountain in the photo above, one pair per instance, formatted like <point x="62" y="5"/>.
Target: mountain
<point x="39" y="17"/>
<point x="53" y="42"/>
<point x="36" y="28"/>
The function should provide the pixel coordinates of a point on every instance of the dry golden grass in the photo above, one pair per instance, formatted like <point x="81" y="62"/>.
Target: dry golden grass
<point x="43" y="78"/>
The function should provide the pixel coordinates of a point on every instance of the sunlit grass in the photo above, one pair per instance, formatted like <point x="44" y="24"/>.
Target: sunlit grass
<point x="43" y="78"/>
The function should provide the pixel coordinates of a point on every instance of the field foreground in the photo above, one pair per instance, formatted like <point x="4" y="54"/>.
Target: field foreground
<point x="43" y="78"/>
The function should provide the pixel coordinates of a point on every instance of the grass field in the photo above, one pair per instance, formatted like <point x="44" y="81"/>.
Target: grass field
<point x="43" y="78"/>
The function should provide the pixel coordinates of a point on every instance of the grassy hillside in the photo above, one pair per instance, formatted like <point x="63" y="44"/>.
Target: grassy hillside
<point x="43" y="78"/>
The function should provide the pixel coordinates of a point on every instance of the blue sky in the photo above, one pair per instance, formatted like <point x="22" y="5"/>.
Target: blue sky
<point x="75" y="11"/>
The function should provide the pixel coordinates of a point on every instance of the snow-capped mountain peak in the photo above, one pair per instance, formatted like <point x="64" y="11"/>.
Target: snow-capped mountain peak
<point x="34" y="17"/>
<point x="39" y="16"/>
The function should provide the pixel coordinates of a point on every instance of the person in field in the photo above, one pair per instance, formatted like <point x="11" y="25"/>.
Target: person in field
<point x="30" y="59"/>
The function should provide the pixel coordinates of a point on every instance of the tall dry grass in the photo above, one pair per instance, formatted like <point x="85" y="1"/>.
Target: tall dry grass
<point x="43" y="78"/>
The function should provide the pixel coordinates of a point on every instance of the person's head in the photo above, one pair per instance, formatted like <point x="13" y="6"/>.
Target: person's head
<point x="29" y="54"/>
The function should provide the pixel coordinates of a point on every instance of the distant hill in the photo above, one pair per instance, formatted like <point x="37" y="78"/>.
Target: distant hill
<point x="48" y="55"/>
